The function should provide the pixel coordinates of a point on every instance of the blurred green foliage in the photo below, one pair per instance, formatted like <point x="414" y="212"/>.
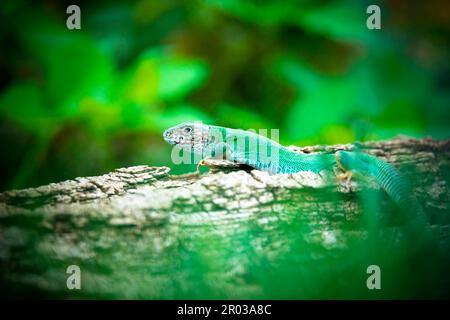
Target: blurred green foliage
<point x="83" y="102"/>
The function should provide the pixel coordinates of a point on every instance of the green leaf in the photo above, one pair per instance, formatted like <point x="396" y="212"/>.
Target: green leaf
<point x="317" y="109"/>
<point x="179" y="77"/>
<point x="73" y="64"/>
<point x="241" y="117"/>
<point x="24" y="104"/>
<point x="338" y="20"/>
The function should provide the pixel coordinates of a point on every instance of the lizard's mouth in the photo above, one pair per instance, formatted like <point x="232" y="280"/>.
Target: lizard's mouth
<point x="182" y="143"/>
<point x="178" y="141"/>
<point x="172" y="139"/>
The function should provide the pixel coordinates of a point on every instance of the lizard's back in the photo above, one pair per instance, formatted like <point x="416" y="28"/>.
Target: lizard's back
<point x="265" y="154"/>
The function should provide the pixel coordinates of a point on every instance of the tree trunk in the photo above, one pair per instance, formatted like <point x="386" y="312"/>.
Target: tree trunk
<point x="140" y="232"/>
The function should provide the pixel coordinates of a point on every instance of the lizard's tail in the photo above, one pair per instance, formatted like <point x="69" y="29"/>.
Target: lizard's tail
<point x="387" y="177"/>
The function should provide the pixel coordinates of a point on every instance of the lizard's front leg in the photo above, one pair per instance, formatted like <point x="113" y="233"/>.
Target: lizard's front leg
<point x="202" y="163"/>
<point x="219" y="164"/>
<point x="216" y="156"/>
<point x="346" y="175"/>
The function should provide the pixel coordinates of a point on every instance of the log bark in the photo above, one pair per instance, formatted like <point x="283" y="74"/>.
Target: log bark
<point x="141" y="232"/>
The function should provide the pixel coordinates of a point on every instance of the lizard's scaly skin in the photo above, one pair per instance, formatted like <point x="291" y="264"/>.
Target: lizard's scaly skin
<point x="257" y="151"/>
<point x="386" y="176"/>
<point x="276" y="158"/>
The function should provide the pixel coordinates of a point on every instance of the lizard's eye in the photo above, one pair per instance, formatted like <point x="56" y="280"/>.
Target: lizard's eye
<point x="187" y="129"/>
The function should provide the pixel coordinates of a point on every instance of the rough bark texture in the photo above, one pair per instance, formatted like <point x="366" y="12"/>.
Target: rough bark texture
<point x="143" y="221"/>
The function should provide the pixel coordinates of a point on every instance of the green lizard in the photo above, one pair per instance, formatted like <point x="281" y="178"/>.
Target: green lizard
<point x="257" y="151"/>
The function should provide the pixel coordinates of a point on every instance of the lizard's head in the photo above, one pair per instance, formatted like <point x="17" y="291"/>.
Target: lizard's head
<point x="188" y="135"/>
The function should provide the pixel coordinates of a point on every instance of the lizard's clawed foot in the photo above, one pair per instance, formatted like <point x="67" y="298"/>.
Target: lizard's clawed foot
<point x="201" y="163"/>
<point x="217" y="164"/>
<point x="346" y="177"/>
